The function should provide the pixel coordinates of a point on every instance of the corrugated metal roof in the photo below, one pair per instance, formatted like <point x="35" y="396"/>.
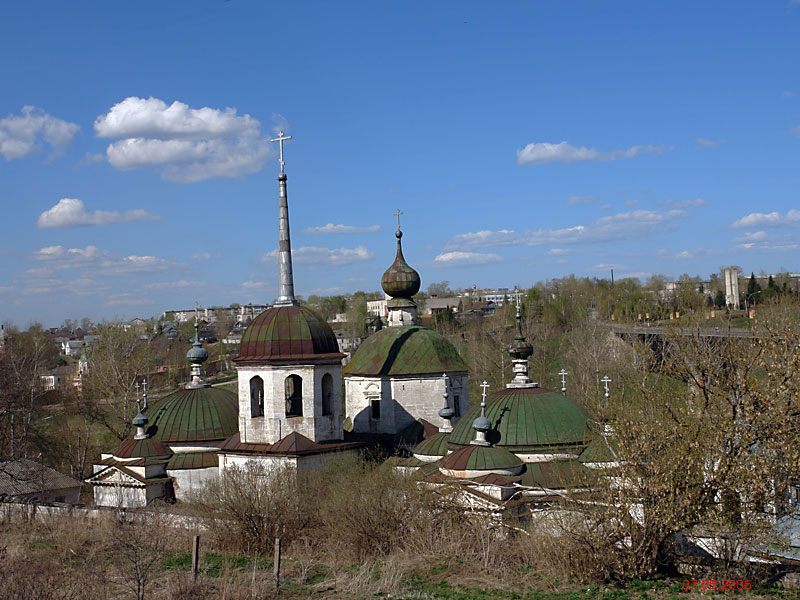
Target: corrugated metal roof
<point x="145" y="448"/>
<point x="435" y="445"/>
<point x="407" y="350"/>
<point x="480" y="458"/>
<point x="527" y="419"/>
<point x="293" y="444"/>
<point x="24" y="476"/>
<point x="193" y="460"/>
<point x="284" y="333"/>
<point x="194" y="415"/>
<point x="556" y="475"/>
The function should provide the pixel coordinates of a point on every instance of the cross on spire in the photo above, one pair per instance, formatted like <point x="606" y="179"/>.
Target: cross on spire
<point x="563" y="373"/>
<point x="606" y="381"/>
<point x="397" y="214"/>
<point x="280" y="139"/>
<point x="144" y="392"/>
<point x="138" y="402"/>
<point x="484" y="385"/>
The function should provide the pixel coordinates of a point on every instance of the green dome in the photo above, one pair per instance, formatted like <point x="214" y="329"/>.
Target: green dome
<point x="400" y="280"/>
<point x="435" y="445"/>
<point x="407" y="350"/>
<point x="481" y="458"/>
<point x="526" y="420"/>
<point x="290" y="332"/>
<point x="144" y="448"/>
<point x="204" y="414"/>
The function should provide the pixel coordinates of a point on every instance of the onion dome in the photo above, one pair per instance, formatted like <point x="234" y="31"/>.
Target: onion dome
<point x="288" y="333"/>
<point x="197" y="355"/>
<point x="432" y="448"/>
<point x="407" y="350"/>
<point x="400" y="280"/>
<point x="139" y="420"/>
<point x="194" y="415"/>
<point x="530" y="419"/>
<point x="475" y="460"/>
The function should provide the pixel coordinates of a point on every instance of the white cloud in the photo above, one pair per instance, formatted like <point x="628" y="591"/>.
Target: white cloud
<point x="628" y="225"/>
<point x="787" y="94"/>
<point x="606" y="207"/>
<point x="71" y="212"/>
<point x="254" y="285"/>
<point x="317" y="256"/>
<point x="580" y="200"/>
<point x="21" y="135"/>
<point x="773" y="219"/>
<point x="331" y="228"/>
<point x="706" y="143"/>
<point x="687" y="203"/>
<point x="173" y="285"/>
<point x="559" y="251"/>
<point x="751" y="236"/>
<point x="185" y="144"/>
<point x="126" y="299"/>
<point x="463" y="259"/>
<point x="768" y="246"/>
<point x="635" y="275"/>
<point x="543" y="152"/>
<point x="485" y="239"/>
<point x="93" y="260"/>
<point x="631" y="202"/>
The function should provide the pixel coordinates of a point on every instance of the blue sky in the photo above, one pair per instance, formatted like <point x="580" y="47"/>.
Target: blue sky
<point x="522" y="141"/>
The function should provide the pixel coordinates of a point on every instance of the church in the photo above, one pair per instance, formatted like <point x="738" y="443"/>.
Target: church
<point x="289" y="409"/>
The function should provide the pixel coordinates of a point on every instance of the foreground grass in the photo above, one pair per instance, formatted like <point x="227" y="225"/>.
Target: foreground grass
<point x="67" y="560"/>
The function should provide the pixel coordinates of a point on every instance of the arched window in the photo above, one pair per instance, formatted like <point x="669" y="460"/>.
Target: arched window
<point x="327" y="394"/>
<point x="294" y="396"/>
<point x="256" y="397"/>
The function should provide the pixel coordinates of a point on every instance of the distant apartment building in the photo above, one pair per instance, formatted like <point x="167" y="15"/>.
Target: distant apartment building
<point x="242" y="313"/>
<point x="377" y="308"/>
<point x="498" y="295"/>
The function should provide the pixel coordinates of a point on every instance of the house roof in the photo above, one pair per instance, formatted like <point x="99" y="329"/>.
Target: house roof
<point x="407" y="350"/>
<point x="194" y="415"/>
<point x="527" y="419"/>
<point x="288" y="333"/>
<point x="294" y="444"/>
<point x="25" y="476"/>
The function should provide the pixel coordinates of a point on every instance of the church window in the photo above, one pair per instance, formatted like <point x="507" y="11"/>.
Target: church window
<point x="294" y="396"/>
<point x="375" y="408"/>
<point x="256" y="397"/>
<point x="327" y="394"/>
<point x="456" y="406"/>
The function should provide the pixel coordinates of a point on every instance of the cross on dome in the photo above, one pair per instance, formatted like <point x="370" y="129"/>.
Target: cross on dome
<point x="397" y="214"/>
<point x="563" y="373"/>
<point x="280" y="139"/>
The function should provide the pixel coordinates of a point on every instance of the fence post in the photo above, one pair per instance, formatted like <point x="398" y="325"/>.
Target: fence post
<point x="276" y="569"/>
<point x="195" y="556"/>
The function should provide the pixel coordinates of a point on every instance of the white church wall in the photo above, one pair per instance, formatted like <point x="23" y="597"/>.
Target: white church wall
<point x="187" y="481"/>
<point x="403" y="400"/>
<point x="120" y="496"/>
<point x="269" y="463"/>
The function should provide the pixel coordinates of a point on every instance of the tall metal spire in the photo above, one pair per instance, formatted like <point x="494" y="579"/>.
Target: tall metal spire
<point x="286" y="289"/>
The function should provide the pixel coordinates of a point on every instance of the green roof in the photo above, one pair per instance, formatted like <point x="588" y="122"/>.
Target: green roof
<point x="527" y="419"/>
<point x="480" y="458"/>
<point x="194" y="415"/>
<point x="408" y="350"/>
<point x="555" y="475"/>
<point x="599" y="450"/>
<point x="435" y="445"/>
<point x="193" y="460"/>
